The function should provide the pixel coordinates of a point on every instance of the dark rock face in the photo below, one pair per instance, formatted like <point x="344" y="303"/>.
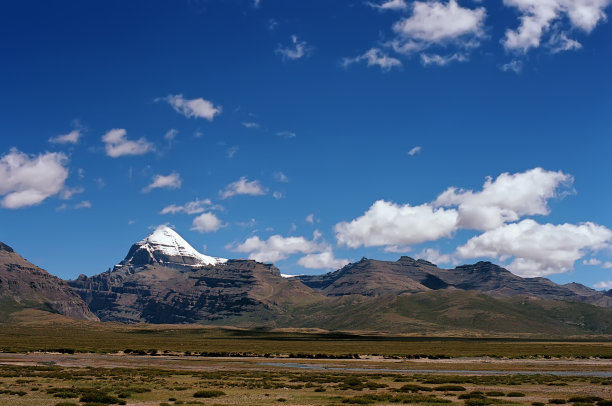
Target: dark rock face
<point x="158" y="293"/>
<point x="27" y="286"/>
<point x="377" y="278"/>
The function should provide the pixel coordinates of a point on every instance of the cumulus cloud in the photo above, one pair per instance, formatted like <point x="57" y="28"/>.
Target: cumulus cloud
<point x="322" y="260"/>
<point x="505" y="199"/>
<point x="276" y="247"/>
<point x="374" y="57"/>
<point x="310" y="218"/>
<point x="396" y="5"/>
<point x="278" y="195"/>
<point x="297" y="50"/>
<point x="172" y="181"/>
<point x="538" y="249"/>
<point x="386" y="223"/>
<point x="206" y="223"/>
<point x="592" y="262"/>
<point x="243" y="187"/>
<point x="194" y="207"/>
<point x="442" y="60"/>
<point x="538" y="18"/>
<point x="197" y="108"/>
<point x="603" y="285"/>
<point x="439" y="23"/>
<point x="117" y="144"/>
<point x="434" y="256"/>
<point x="27" y="180"/>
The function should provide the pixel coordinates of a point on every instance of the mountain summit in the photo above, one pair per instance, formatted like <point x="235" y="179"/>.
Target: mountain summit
<point x="163" y="279"/>
<point x="165" y="246"/>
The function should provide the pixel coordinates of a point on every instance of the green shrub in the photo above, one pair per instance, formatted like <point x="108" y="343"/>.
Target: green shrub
<point x="557" y="401"/>
<point x="208" y="394"/>
<point x="410" y="387"/>
<point x="450" y="388"/>
<point x="585" y="399"/>
<point x="516" y="395"/>
<point x="496" y="394"/>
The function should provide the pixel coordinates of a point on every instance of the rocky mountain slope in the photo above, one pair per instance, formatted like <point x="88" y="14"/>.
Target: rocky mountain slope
<point x="163" y="279"/>
<point x="370" y="277"/>
<point x="24" y="285"/>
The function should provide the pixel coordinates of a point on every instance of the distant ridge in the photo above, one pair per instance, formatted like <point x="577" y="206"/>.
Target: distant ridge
<point x="24" y="285"/>
<point x="371" y="277"/>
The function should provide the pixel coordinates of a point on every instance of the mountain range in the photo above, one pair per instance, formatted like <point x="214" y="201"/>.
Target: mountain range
<point x="163" y="279"/>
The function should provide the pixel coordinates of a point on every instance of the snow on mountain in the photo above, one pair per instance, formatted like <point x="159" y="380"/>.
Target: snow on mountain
<point x="165" y="245"/>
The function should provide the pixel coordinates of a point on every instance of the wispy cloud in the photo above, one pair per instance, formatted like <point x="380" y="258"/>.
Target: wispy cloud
<point x="297" y="50"/>
<point x="414" y="151"/>
<point x="192" y="108"/>
<point x="374" y="57"/>
<point x="172" y="181"/>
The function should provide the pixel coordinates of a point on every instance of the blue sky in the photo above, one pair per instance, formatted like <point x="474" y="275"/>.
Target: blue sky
<point x="310" y="134"/>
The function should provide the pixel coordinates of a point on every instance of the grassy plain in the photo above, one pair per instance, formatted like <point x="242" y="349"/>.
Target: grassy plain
<point x="54" y="361"/>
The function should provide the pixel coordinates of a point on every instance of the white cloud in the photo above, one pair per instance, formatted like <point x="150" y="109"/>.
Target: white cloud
<point x="172" y="181"/>
<point x="286" y="134"/>
<point x="67" y="193"/>
<point x="194" y="207"/>
<point x="395" y="5"/>
<point x="374" y="57"/>
<point x="278" y="195"/>
<point x="171" y="134"/>
<point x="398" y="249"/>
<point x="85" y="204"/>
<point x="250" y="125"/>
<point x="281" y="177"/>
<point x="515" y="66"/>
<point x="538" y="16"/>
<point x="442" y="60"/>
<point x="297" y="50"/>
<point x="28" y="180"/>
<point x="433" y="255"/>
<point x="117" y="144"/>
<point x="538" y="249"/>
<point x="592" y="262"/>
<point x="414" y="151"/>
<point x="310" y="218"/>
<point x="198" y="108"/>
<point x="243" y="187"/>
<point x="505" y="199"/>
<point x="256" y="3"/>
<point x="607" y="265"/>
<point x="206" y="223"/>
<point x="386" y="223"/>
<point x="603" y="285"/>
<point x="322" y="260"/>
<point x="276" y="247"/>
<point x="439" y="23"/>
<point x="559" y="42"/>
<point x="71" y="138"/>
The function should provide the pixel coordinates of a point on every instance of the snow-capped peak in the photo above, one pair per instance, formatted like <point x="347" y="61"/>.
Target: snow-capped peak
<point x="166" y="245"/>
